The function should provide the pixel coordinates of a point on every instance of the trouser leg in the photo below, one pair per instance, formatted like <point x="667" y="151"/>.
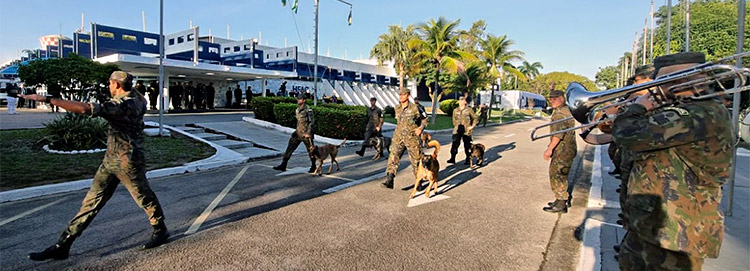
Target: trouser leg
<point x="135" y="181"/>
<point x="415" y="153"/>
<point x="294" y="142"/>
<point x="394" y="156"/>
<point x="558" y="177"/>
<point x="467" y="145"/>
<point x="102" y="188"/>
<point x="455" y="142"/>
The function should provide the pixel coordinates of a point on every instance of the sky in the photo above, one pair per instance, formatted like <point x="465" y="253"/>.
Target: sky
<point x="577" y="36"/>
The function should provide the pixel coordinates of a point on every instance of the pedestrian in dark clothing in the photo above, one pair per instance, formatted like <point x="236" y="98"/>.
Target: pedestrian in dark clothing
<point x="210" y="95"/>
<point x="229" y="97"/>
<point x="249" y="96"/>
<point x="189" y="95"/>
<point x="153" y="94"/>
<point x="29" y="91"/>
<point x="238" y="97"/>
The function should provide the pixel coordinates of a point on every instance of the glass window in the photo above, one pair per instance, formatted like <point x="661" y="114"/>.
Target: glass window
<point x="247" y="47"/>
<point x="226" y="49"/>
<point x="171" y="41"/>
<point x="236" y="48"/>
<point x="191" y="37"/>
<point x="180" y="39"/>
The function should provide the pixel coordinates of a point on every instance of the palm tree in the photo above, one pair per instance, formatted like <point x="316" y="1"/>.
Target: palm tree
<point x="530" y="70"/>
<point x="496" y="53"/>
<point x="438" y="47"/>
<point x="393" y="46"/>
<point x="474" y="78"/>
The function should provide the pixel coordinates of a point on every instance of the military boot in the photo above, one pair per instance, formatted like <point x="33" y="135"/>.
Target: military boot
<point x="558" y="207"/>
<point x="388" y="183"/>
<point x="313" y="167"/>
<point x="452" y="160"/>
<point x="158" y="237"/>
<point x="567" y="202"/>
<point x="361" y="152"/>
<point x="281" y="167"/>
<point x="58" y="251"/>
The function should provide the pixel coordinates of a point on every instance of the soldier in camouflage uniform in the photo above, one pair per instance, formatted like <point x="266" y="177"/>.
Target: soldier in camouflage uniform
<point x="411" y="120"/>
<point x="374" y="123"/>
<point x="303" y="134"/>
<point x="682" y="156"/>
<point x="464" y="121"/>
<point x="123" y="162"/>
<point x="561" y="150"/>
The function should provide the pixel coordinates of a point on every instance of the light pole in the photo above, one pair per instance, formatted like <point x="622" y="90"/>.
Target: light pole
<point x="315" y="72"/>
<point x="736" y="101"/>
<point x="161" y="66"/>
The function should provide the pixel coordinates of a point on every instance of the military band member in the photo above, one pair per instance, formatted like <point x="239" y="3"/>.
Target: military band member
<point x="374" y="123"/>
<point x="303" y="134"/>
<point x="123" y="162"/>
<point x="411" y="120"/>
<point x="682" y="156"/>
<point x="561" y="151"/>
<point x="464" y="122"/>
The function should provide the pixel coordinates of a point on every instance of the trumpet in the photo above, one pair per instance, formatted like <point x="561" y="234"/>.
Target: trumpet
<point x="584" y="104"/>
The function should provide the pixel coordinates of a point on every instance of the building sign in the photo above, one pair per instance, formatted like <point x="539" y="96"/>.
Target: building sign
<point x="105" y="34"/>
<point x="129" y="38"/>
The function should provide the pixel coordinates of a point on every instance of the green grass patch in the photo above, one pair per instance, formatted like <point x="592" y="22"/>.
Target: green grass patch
<point x="446" y="122"/>
<point x="23" y="163"/>
<point x="441" y="122"/>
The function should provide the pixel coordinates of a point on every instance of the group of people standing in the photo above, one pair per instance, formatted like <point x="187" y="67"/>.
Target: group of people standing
<point x="672" y="159"/>
<point x="200" y="96"/>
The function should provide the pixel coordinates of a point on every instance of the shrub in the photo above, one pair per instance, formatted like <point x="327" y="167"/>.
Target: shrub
<point x="389" y="110"/>
<point x="263" y="106"/>
<point x="76" y="132"/>
<point x="447" y="106"/>
<point x="330" y="121"/>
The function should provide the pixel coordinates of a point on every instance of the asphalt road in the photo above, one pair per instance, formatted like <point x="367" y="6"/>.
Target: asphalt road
<point x="488" y="218"/>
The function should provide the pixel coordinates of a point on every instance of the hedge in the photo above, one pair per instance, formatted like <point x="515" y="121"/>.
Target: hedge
<point x="331" y="120"/>
<point x="263" y="106"/>
<point x="447" y="106"/>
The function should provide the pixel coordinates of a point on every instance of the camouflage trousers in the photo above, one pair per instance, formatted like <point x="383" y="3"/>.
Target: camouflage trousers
<point x="294" y="142"/>
<point x="637" y="254"/>
<point x="410" y="144"/>
<point x="614" y="154"/>
<point x="108" y="176"/>
<point x="559" y="168"/>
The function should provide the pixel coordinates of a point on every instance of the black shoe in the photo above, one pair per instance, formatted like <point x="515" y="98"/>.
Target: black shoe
<point x="558" y="206"/>
<point x="614" y="172"/>
<point x="451" y="161"/>
<point x="158" y="238"/>
<point x="388" y="183"/>
<point x="619" y="222"/>
<point x="281" y="167"/>
<point x="58" y="251"/>
<point x="360" y="153"/>
<point x="620" y="215"/>
<point x="617" y="248"/>
<point x="312" y="169"/>
<point x="567" y="202"/>
<point x="618" y="190"/>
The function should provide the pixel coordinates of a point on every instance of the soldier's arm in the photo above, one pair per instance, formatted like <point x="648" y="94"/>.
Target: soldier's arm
<point x="71" y="106"/>
<point x="312" y="122"/>
<point x="474" y="120"/>
<point x="382" y="119"/>
<point x="635" y="130"/>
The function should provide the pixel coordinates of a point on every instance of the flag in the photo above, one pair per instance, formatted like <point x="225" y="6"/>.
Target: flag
<point x="283" y="3"/>
<point x="350" y="17"/>
<point x="295" y="5"/>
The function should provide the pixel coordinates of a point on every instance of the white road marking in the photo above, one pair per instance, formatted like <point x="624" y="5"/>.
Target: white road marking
<point x="420" y="199"/>
<point x="294" y="170"/>
<point x="509" y="135"/>
<point x="353" y="183"/>
<point x="21" y="215"/>
<point x="202" y="218"/>
<point x="595" y="193"/>
<point x="743" y="152"/>
<point x="338" y="177"/>
<point x="591" y="246"/>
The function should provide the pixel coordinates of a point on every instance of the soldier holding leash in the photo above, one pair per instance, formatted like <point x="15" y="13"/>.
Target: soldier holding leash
<point x="411" y="120"/>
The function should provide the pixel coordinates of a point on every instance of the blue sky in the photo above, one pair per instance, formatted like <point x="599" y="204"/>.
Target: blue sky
<point x="574" y="35"/>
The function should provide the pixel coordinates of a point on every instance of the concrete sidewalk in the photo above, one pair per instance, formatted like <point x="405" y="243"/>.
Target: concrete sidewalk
<point x="602" y="232"/>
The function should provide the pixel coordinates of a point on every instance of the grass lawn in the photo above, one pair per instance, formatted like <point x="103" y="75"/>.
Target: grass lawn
<point x="24" y="164"/>
<point x="441" y="122"/>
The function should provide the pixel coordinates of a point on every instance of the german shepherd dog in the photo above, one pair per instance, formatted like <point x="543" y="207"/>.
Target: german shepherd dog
<point x="424" y="138"/>
<point x="321" y="153"/>
<point x="381" y="143"/>
<point x="477" y="151"/>
<point x="428" y="169"/>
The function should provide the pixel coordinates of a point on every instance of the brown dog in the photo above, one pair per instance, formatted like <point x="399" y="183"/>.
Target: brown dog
<point x="477" y="151"/>
<point x="428" y="169"/>
<point x="321" y="153"/>
<point x="424" y="138"/>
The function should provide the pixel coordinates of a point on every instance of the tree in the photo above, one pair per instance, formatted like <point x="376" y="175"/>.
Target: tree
<point x="497" y="55"/>
<point x="438" y="46"/>
<point x="475" y="77"/>
<point x="543" y="83"/>
<point x="530" y="69"/>
<point x="393" y="46"/>
<point x="74" y="77"/>
<point x="470" y="39"/>
<point x="606" y="77"/>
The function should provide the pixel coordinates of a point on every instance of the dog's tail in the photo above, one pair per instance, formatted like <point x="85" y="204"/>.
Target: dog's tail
<point x="342" y="143"/>
<point x="436" y="145"/>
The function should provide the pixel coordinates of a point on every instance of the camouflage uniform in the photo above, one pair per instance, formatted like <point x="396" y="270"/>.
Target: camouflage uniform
<point x="563" y="155"/>
<point x="682" y="157"/>
<point x="464" y="121"/>
<point x="304" y="127"/>
<point x="374" y="116"/>
<point x="408" y="118"/>
<point x="123" y="162"/>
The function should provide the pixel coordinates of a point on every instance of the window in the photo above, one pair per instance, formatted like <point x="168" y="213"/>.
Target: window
<point x="106" y="34"/>
<point x="213" y="50"/>
<point x="247" y="47"/>
<point x="236" y="48"/>
<point x="226" y="49"/>
<point x="150" y="41"/>
<point x="128" y="37"/>
<point x="180" y="39"/>
<point x="256" y="55"/>
<point x="191" y="37"/>
<point x="171" y="41"/>
<point x="287" y="54"/>
<point x="277" y="55"/>
<point x="268" y="56"/>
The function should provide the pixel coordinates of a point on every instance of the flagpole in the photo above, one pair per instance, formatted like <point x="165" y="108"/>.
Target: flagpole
<point x="315" y="73"/>
<point x="736" y="101"/>
<point x="161" y="66"/>
<point x="645" y="36"/>
<point x="651" y="52"/>
<point x="669" y="26"/>
<point x="687" y="25"/>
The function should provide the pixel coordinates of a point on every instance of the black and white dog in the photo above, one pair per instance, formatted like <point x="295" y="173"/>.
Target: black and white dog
<point x="380" y="144"/>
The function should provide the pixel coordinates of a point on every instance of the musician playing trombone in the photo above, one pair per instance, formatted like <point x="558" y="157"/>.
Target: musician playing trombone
<point x="682" y="155"/>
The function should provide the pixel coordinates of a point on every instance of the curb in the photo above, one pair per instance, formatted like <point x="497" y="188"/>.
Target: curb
<point x="223" y="157"/>
<point x="289" y="131"/>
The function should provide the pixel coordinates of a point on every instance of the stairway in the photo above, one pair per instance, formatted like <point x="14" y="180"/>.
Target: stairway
<point x="243" y="147"/>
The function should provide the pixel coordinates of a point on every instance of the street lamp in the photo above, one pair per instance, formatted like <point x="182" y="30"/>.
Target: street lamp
<point x="495" y="86"/>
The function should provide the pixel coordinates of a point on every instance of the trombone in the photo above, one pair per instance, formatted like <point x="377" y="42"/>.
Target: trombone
<point x="584" y="104"/>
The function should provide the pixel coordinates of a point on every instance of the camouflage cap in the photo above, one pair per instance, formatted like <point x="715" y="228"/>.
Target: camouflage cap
<point x="556" y="93"/>
<point x="301" y="96"/>
<point x="404" y="91"/>
<point x="677" y="59"/>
